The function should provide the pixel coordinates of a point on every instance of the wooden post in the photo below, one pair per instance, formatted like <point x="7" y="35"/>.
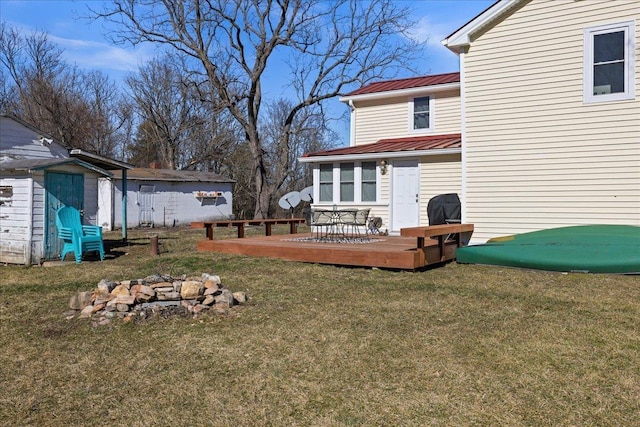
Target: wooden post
<point x="154" y="245"/>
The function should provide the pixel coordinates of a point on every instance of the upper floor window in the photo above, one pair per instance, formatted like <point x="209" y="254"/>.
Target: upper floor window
<point x="609" y="62"/>
<point x="421" y="114"/>
<point x="326" y="182"/>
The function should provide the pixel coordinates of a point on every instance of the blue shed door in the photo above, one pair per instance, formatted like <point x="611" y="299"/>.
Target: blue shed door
<point x="61" y="189"/>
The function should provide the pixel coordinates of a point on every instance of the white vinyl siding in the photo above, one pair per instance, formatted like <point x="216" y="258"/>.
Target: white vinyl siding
<point x="536" y="156"/>
<point x="391" y="118"/>
<point x="438" y="175"/>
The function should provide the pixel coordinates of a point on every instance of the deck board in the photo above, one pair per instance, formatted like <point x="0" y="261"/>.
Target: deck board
<point x="392" y="252"/>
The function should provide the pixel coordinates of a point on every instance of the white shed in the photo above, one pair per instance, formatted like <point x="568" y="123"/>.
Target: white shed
<point x="37" y="176"/>
<point x="164" y="198"/>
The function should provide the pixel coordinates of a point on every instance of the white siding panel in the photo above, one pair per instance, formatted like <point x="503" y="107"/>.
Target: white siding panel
<point x="438" y="175"/>
<point x="389" y="118"/>
<point x="14" y="220"/>
<point x="537" y="157"/>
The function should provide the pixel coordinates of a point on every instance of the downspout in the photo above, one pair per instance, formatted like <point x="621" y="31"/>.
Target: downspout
<point x="352" y="124"/>
<point x="124" y="205"/>
<point x="29" y="246"/>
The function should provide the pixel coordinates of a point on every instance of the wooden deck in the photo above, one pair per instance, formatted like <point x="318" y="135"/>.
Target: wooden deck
<point x="383" y="251"/>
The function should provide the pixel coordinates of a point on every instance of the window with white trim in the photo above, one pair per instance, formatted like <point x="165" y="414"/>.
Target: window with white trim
<point x="356" y="182"/>
<point x="609" y="62"/>
<point x="347" y="180"/>
<point x="421" y="114"/>
<point x="326" y="182"/>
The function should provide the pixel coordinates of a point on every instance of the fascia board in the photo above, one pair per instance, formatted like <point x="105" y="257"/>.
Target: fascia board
<point x="462" y="36"/>
<point x="401" y="92"/>
<point x="382" y="155"/>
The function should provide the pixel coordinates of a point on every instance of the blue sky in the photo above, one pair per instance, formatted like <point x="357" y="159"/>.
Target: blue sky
<point x="85" y="44"/>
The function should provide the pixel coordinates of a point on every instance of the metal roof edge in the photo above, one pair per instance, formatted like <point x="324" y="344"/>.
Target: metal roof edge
<point x="401" y="92"/>
<point x="381" y="155"/>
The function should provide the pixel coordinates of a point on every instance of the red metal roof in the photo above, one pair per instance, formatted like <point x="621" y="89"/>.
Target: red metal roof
<point x="412" y="143"/>
<point x="409" y="83"/>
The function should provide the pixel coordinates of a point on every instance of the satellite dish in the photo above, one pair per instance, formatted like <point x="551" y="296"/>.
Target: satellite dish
<point x="289" y="200"/>
<point x="306" y="194"/>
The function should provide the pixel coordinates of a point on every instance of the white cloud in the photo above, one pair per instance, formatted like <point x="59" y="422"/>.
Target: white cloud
<point x="102" y="56"/>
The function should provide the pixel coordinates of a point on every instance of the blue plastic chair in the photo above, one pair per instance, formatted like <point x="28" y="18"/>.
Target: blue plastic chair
<point x="77" y="238"/>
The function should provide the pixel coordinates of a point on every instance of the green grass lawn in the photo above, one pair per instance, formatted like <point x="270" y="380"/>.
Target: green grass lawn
<point x="318" y="345"/>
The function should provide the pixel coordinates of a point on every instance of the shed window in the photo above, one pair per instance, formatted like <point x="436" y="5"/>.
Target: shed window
<point x="609" y="62"/>
<point x="6" y="195"/>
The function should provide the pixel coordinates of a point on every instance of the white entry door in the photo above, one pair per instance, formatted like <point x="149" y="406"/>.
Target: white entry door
<point x="405" y="191"/>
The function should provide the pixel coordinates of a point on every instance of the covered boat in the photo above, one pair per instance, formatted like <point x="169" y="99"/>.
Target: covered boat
<point x="588" y="248"/>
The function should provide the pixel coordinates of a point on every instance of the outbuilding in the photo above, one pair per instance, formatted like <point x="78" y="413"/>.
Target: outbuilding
<point x="164" y="198"/>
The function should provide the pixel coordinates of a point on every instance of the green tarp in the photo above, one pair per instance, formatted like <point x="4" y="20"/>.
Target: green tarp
<point x="589" y="248"/>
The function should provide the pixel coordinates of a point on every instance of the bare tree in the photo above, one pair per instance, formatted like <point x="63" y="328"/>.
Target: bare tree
<point x="82" y="110"/>
<point x="236" y="45"/>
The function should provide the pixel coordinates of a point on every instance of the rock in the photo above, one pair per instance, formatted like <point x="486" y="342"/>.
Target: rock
<point x="191" y="289"/>
<point x="69" y="314"/>
<point x="97" y="308"/>
<point x="120" y="290"/>
<point x="122" y="307"/>
<point x="126" y="283"/>
<point x="142" y="293"/>
<point x="211" y="278"/>
<point x="163" y="284"/>
<point x="177" y="285"/>
<point x="104" y="322"/>
<point x="208" y="300"/>
<point x="106" y="285"/>
<point x="198" y="308"/>
<point x="165" y="289"/>
<point x="168" y="296"/>
<point x="225" y="297"/>
<point x="103" y="299"/>
<point x="160" y="304"/>
<point x="212" y="291"/>
<point x="221" y="308"/>
<point x="86" y="312"/>
<point x="80" y="300"/>
<point x="240" y="297"/>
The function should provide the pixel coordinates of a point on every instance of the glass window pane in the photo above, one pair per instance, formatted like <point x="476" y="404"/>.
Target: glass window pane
<point x="346" y="172"/>
<point x="326" y="192"/>
<point x="421" y="121"/>
<point x="421" y="104"/>
<point x="608" y="78"/>
<point x="368" y="171"/>
<point x="368" y="191"/>
<point x="608" y="47"/>
<point x="346" y="192"/>
<point x="326" y="172"/>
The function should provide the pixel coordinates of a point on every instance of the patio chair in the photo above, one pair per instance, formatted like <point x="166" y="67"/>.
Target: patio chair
<point x="322" y="220"/>
<point x="77" y="238"/>
<point x="361" y="220"/>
